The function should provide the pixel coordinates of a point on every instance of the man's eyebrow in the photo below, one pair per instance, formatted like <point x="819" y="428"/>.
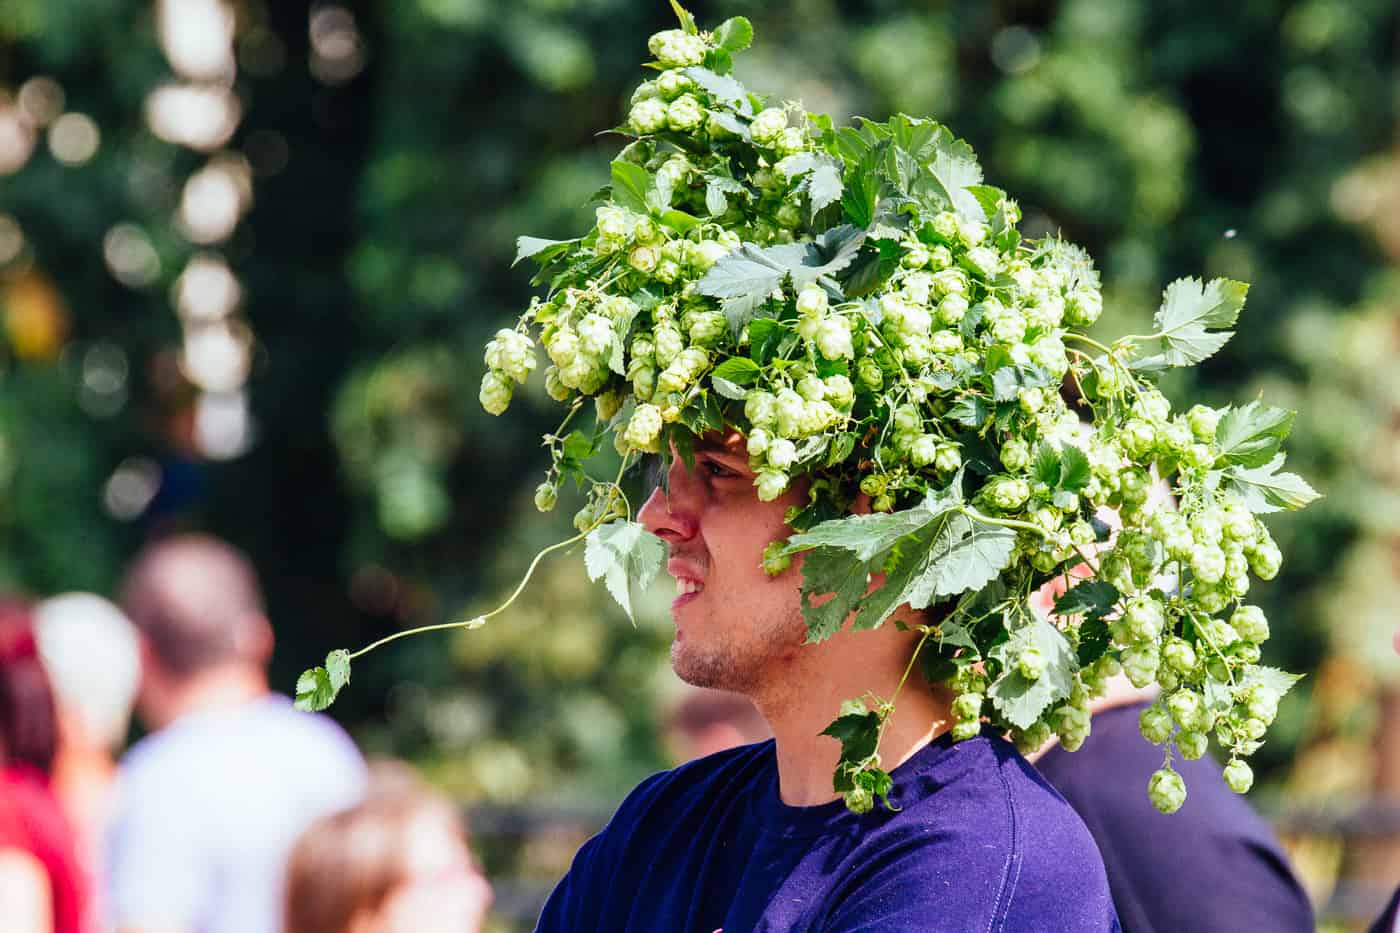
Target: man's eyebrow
<point x="721" y="449"/>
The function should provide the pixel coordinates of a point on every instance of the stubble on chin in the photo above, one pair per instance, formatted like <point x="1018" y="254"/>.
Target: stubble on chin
<point x="741" y="665"/>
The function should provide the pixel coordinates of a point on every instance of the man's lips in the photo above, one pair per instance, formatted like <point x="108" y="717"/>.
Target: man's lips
<point x="690" y="580"/>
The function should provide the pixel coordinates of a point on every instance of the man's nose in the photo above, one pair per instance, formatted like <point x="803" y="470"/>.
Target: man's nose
<point x="670" y="510"/>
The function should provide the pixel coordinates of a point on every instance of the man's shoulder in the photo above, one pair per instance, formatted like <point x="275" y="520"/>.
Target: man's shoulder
<point x="979" y="804"/>
<point x="988" y="825"/>
<point x="983" y="786"/>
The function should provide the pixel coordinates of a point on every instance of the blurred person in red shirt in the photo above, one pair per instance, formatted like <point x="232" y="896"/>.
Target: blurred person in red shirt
<point x="398" y="862"/>
<point x="90" y="652"/>
<point x="41" y="884"/>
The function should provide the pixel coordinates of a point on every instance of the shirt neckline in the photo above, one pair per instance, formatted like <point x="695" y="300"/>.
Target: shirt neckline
<point x="833" y="818"/>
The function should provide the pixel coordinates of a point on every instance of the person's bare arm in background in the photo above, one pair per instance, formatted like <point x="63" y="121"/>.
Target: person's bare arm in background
<point x="24" y="893"/>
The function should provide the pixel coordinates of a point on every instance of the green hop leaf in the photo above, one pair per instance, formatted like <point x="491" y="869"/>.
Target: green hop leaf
<point x="539" y="249"/>
<point x="1266" y="490"/>
<point x="318" y="687"/>
<point x="971" y="411"/>
<point x="1251" y="436"/>
<point x="718" y="188"/>
<point x="687" y="20"/>
<point x="738" y="370"/>
<point x="1023" y="701"/>
<point x="338" y="668"/>
<point x="858" y="733"/>
<point x="941" y="552"/>
<point x="622" y="553"/>
<point x="1191" y="322"/>
<point x="734" y="34"/>
<point x="1093" y="599"/>
<point x="630" y="184"/>
<point x="724" y="90"/>
<point x="745" y="279"/>
<point x="953" y="170"/>
<point x="823" y="184"/>
<point x="1046" y="467"/>
<point x="870" y="535"/>
<point x="1074" y="469"/>
<point x="1278" y="681"/>
<point x="829" y="570"/>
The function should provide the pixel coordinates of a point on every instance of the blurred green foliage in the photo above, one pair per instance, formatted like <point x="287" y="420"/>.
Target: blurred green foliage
<point x="1169" y="138"/>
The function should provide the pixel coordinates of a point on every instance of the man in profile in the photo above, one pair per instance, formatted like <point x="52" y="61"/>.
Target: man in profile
<point x="213" y="799"/>
<point x="755" y="838"/>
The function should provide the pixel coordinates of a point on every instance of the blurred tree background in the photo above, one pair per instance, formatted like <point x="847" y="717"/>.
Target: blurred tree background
<point x="250" y="251"/>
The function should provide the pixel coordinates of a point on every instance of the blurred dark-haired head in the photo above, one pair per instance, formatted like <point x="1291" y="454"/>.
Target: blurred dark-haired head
<point x="196" y="603"/>
<point x="28" y="723"/>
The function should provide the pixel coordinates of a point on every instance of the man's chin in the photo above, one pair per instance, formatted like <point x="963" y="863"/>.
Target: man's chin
<point x="701" y="668"/>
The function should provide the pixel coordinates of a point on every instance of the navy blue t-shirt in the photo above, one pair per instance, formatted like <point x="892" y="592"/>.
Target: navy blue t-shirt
<point x="1211" y="867"/>
<point x="979" y="842"/>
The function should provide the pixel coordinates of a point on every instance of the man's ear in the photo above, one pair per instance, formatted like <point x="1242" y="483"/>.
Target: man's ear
<point x="253" y="638"/>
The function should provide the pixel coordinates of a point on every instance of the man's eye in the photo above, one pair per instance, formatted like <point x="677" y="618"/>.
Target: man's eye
<point x="719" y="470"/>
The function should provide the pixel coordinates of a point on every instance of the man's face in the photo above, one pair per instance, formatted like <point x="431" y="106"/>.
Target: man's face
<point x="735" y="625"/>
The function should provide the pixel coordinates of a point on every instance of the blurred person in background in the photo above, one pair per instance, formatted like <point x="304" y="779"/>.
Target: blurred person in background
<point x="398" y="862"/>
<point x="89" y="651"/>
<point x="210" y="804"/>
<point x="42" y="889"/>
<point x="704" y="721"/>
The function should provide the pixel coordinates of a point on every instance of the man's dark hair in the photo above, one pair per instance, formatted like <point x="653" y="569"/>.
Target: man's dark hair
<point x="28" y="720"/>
<point x="196" y="600"/>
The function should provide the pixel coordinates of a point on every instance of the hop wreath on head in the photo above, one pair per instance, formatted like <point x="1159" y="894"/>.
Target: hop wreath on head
<point x="861" y="307"/>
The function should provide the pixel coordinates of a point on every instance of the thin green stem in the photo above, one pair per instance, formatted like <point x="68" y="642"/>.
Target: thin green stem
<point x="476" y="621"/>
<point x="1136" y="338"/>
<point x="1087" y="562"/>
<point x="1089" y="341"/>
<point x="977" y="516"/>
<point x="573" y="410"/>
<point x="914" y="656"/>
<point x="617" y="485"/>
<point x="1074" y="374"/>
<point x="1201" y="630"/>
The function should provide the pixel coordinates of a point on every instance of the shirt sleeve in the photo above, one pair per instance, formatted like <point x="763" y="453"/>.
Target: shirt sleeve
<point x="159" y="877"/>
<point x="571" y="903"/>
<point x="578" y="901"/>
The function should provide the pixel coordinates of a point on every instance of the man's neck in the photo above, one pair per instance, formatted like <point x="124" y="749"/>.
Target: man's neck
<point x="813" y="688"/>
<point x="213" y="690"/>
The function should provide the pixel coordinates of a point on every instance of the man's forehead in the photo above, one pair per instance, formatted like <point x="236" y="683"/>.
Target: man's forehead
<point x="729" y="441"/>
